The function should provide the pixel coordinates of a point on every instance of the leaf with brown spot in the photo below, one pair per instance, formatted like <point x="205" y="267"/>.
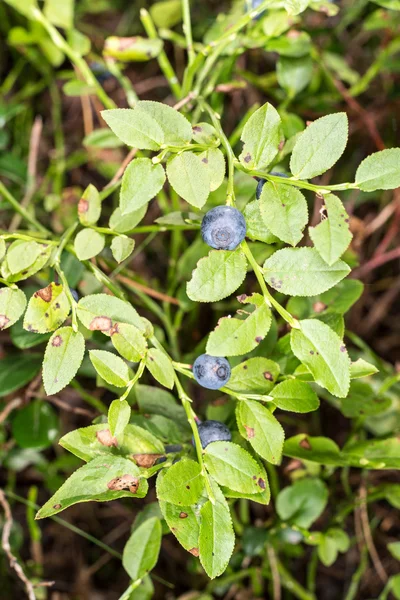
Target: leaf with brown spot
<point x="106" y="439"/>
<point x="62" y="359"/>
<point x="249" y="431"/>
<point x="99" y="481"/>
<point x="47" y="309"/>
<point x="146" y="460"/>
<point x="89" y="206"/>
<point x="194" y="551"/>
<point x="268" y="436"/>
<point x="12" y="305"/>
<point x="101" y="324"/>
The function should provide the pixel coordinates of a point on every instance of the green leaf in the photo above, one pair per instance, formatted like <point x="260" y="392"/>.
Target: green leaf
<point x="320" y="146"/>
<point x="119" y="413"/>
<point x="24" y="8"/>
<point x="303" y="502"/>
<point x="362" y="401"/>
<point x="324" y="354"/>
<point x="160" y="366"/>
<point x="122" y="247"/>
<point x="256" y="228"/>
<point x="216" y="538"/>
<point x="237" y="336"/>
<point x="142" y="549"/>
<point x="217" y="275"/>
<point x="394" y="549"/>
<point x="21" y="255"/>
<point x="110" y="367"/>
<point x="135" y="49"/>
<point x="182" y="484"/>
<point x="342" y="297"/>
<point x="60" y="12"/>
<point x="295" y="396"/>
<point x="89" y="206"/>
<point x="294" y="73"/>
<point x="166" y="13"/>
<point x="189" y="177"/>
<point x="47" y="309"/>
<point x="62" y="359"/>
<point x="152" y="400"/>
<point x="17" y="370"/>
<point x="3" y="248"/>
<point x="254" y="376"/>
<point x="12" y="305"/>
<point x="204" y="133"/>
<point x="261" y="429"/>
<point x="99" y="312"/>
<point x="332" y="236"/>
<point x="134" y="127"/>
<point x="129" y="341"/>
<point x="99" y="481"/>
<point x="102" y="138"/>
<point x="284" y="211"/>
<point x="295" y="7"/>
<point x="215" y="164"/>
<point x="37" y="265"/>
<point x="183" y="522"/>
<point x="126" y="223"/>
<point x="321" y="450"/>
<point x="232" y="466"/>
<point x="176" y="128"/>
<point x="362" y="368"/>
<point x="302" y="272"/>
<point x="97" y="440"/>
<point x="141" y="181"/>
<point x="379" y="171"/>
<point x="88" y="243"/>
<point x="261" y="137"/>
<point x="35" y="425"/>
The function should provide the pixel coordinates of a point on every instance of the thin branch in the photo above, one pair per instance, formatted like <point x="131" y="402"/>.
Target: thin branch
<point x="9" y="407"/>
<point x="153" y="293"/>
<point x="276" y="580"/>
<point x="368" y="536"/>
<point x="5" y="544"/>
<point x="376" y="262"/>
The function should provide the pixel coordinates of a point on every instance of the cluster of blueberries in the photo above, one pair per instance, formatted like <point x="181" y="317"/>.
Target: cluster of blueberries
<point x="222" y="228"/>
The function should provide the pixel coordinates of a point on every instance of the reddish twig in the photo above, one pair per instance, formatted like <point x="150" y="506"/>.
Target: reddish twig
<point x="9" y="407"/>
<point x="368" y="536"/>
<point x="5" y="544"/>
<point x="376" y="262"/>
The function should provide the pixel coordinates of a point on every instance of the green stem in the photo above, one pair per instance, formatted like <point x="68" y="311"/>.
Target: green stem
<point x="162" y="58"/>
<point x="215" y="118"/>
<point x="92" y="400"/>
<point x="20" y="209"/>
<point x="132" y="382"/>
<point x="127" y="593"/>
<point x="355" y="580"/>
<point x="269" y="299"/>
<point x="125" y="82"/>
<point x="187" y="29"/>
<point x="69" y="526"/>
<point x="320" y="189"/>
<point x="187" y="405"/>
<point x="74" y="57"/>
<point x="312" y="571"/>
<point x="290" y="583"/>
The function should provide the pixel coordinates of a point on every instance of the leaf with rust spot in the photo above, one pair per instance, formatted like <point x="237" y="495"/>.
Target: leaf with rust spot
<point x="146" y="460"/>
<point x="249" y="431"/>
<point x="194" y="551"/>
<point x="47" y="309"/>
<point x="106" y="439"/>
<point x="125" y="482"/>
<point x="12" y="305"/>
<point x="62" y="359"/>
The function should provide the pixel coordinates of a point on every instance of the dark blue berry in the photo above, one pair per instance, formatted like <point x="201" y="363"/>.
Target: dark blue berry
<point x="74" y="294"/>
<point x="211" y="372"/>
<point x="213" y="431"/>
<point x="223" y="228"/>
<point x="101" y="73"/>
<point x="261" y="182"/>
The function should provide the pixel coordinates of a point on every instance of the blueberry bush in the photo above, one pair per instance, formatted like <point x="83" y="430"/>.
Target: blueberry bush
<point x="183" y="270"/>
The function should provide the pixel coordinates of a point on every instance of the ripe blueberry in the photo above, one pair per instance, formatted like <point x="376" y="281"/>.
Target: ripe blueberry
<point x="223" y="228"/>
<point x="74" y="294"/>
<point x="211" y="372"/>
<point x="261" y="182"/>
<point x="213" y="431"/>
